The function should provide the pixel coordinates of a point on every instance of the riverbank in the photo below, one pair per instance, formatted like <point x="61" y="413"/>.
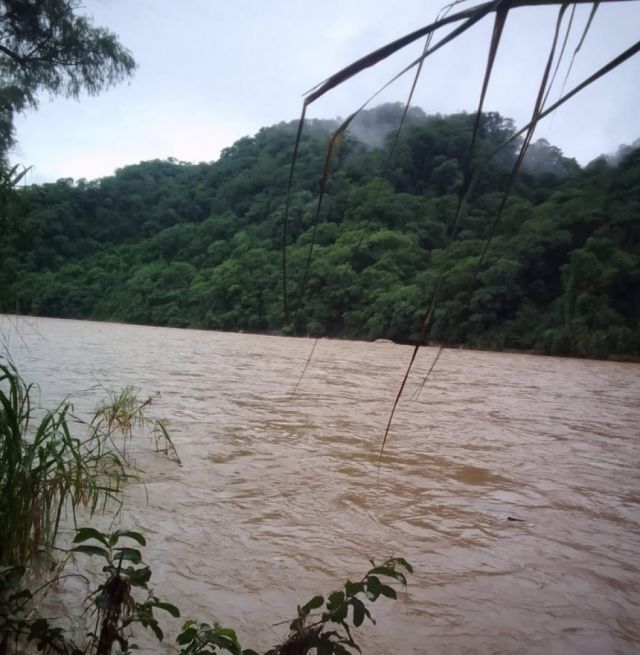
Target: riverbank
<point x="281" y="333"/>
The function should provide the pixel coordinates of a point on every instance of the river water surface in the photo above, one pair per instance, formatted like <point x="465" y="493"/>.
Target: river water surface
<point x="277" y="497"/>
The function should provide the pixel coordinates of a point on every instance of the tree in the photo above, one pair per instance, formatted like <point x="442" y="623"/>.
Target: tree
<point x="46" y="46"/>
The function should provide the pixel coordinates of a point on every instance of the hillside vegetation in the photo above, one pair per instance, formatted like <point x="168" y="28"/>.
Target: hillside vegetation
<point x="199" y="245"/>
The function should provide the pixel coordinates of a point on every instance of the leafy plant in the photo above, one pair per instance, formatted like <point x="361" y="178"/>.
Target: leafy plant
<point x="204" y="639"/>
<point x="115" y="604"/>
<point x="330" y="633"/>
<point x="341" y="607"/>
<point x="44" y="471"/>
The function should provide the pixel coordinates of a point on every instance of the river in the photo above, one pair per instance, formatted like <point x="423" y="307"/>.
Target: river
<point x="277" y="497"/>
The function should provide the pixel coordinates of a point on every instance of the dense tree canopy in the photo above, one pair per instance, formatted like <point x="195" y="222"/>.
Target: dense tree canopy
<point x="199" y="245"/>
<point x="45" y="46"/>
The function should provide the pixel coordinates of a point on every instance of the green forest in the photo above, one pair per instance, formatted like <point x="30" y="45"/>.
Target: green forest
<point x="200" y="245"/>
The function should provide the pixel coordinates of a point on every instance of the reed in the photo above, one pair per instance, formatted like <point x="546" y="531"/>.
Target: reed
<point x="44" y="471"/>
<point x="122" y="414"/>
<point x="458" y="22"/>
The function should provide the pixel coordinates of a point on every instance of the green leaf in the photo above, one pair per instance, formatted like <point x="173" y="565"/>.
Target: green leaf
<point x="403" y="562"/>
<point x="358" y="612"/>
<point x="91" y="550"/>
<point x="227" y="632"/>
<point x="400" y="577"/>
<point x="335" y="600"/>
<point x="156" y="630"/>
<point x="167" y="607"/>
<point x="340" y="614"/>
<point x="188" y="634"/>
<point x="136" y="536"/>
<point x="138" y="577"/>
<point x="41" y="630"/>
<point x="373" y="587"/>
<point x="353" y="588"/>
<point x="389" y="592"/>
<point x="313" y="604"/>
<point x="325" y="648"/>
<point x="383" y="570"/>
<point x="82" y="534"/>
<point x="129" y="554"/>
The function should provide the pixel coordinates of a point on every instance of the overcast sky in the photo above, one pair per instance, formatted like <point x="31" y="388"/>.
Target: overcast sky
<point x="212" y="71"/>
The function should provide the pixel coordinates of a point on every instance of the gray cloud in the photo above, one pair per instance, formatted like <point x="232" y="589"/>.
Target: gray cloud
<point x="211" y="72"/>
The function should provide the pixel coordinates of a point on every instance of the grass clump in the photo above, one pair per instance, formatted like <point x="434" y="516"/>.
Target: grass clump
<point x="125" y="412"/>
<point x="47" y="471"/>
<point x="44" y="469"/>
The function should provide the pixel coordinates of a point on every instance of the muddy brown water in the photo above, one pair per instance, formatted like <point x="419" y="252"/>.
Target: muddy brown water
<point x="277" y="498"/>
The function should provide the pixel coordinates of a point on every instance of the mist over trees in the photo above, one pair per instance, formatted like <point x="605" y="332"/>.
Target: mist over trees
<point x="199" y="245"/>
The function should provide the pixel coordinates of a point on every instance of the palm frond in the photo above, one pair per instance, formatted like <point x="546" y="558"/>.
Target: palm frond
<point x="467" y="17"/>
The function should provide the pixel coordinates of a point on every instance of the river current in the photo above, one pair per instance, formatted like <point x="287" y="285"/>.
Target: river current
<point x="278" y="496"/>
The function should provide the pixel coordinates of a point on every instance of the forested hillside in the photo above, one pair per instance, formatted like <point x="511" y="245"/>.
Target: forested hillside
<point x="199" y="245"/>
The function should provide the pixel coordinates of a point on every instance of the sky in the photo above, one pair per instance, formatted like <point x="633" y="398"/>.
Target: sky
<point x="212" y="71"/>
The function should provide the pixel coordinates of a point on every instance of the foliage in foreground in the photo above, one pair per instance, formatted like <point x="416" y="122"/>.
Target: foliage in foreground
<point x="45" y="470"/>
<point x="341" y="607"/>
<point x="114" y="603"/>
<point x="117" y="608"/>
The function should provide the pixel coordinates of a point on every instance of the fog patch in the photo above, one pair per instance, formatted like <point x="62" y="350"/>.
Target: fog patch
<point x="372" y="126"/>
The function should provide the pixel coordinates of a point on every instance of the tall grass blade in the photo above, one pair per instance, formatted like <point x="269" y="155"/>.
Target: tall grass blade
<point x="631" y="51"/>
<point x="473" y="17"/>
<point x="418" y="391"/>
<point x="498" y="27"/>
<point x="500" y="20"/>
<point x="561" y="55"/>
<point x="470" y="17"/>
<point x="306" y="366"/>
<point x="443" y="12"/>
<point x="539" y="104"/>
<point x="424" y="329"/>
<point x="43" y="471"/>
<point x="611" y="65"/>
<point x="285" y="218"/>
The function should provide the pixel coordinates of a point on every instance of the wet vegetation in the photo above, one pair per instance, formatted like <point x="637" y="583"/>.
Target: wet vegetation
<point x="526" y="251"/>
<point x="199" y="245"/>
<point x="44" y="469"/>
<point x="49" y="476"/>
